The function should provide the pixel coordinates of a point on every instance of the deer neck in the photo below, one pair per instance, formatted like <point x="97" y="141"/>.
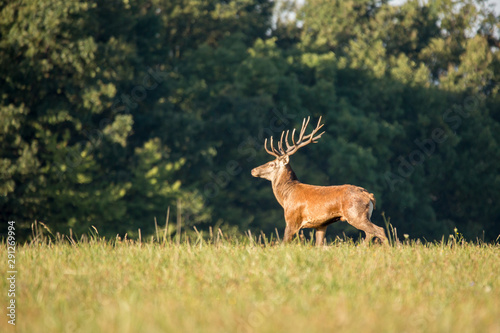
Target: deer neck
<point x="283" y="183"/>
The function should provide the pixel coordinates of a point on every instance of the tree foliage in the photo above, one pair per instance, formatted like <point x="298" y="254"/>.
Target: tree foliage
<point x="111" y="112"/>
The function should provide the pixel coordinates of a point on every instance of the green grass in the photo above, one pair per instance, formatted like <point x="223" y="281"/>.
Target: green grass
<point x="241" y="286"/>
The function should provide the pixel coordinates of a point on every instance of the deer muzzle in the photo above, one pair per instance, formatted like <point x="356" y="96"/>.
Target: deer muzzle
<point x="255" y="172"/>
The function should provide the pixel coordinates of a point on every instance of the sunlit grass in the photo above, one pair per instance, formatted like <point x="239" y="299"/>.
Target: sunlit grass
<point x="241" y="285"/>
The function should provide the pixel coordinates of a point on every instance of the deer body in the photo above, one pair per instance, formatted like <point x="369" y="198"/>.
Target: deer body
<point x="309" y="206"/>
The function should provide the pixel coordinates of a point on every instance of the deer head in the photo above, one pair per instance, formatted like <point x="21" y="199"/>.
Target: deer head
<point x="282" y="155"/>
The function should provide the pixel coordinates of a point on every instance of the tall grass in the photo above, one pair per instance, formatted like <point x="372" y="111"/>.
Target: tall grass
<point x="210" y="282"/>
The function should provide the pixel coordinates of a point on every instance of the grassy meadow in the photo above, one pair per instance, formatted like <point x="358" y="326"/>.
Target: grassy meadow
<point x="241" y="285"/>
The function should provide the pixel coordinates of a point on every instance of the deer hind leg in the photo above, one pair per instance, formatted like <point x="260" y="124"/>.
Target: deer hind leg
<point x="380" y="234"/>
<point x="360" y="219"/>
<point x="373" y="231"/>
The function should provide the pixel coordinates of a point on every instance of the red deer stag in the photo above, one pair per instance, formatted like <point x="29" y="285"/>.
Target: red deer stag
<point x="309" y="206"/>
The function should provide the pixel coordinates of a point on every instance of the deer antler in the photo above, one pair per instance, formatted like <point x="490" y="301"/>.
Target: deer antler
<point x="273" y="151"/>
<point x="303" y="140"/>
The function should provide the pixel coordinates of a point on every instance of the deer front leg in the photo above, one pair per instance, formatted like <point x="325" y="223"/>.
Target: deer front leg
<point x="320" y="235"/>
<point x="290" y="231"/>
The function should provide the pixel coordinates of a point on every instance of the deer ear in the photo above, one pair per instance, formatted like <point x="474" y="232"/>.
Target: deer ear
<point x="285" y="160"/>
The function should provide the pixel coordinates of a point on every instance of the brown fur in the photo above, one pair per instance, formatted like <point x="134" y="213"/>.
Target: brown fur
<point x="308" y="206"/>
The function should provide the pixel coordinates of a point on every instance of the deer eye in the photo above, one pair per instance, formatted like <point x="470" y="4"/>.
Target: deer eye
<point x="272" y="164"/>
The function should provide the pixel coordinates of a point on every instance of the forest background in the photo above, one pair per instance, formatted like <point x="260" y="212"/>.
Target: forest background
<point x="114" y="112"/>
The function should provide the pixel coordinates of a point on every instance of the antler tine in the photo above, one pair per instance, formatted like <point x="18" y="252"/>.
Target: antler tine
<point x="272" y="151"/>
<point x="280" y="143"/>
<point x="277" y="153"/>
<point x="307" y="139"/>
<point x="265" y="147"/>
<point x="286" y="140"/>
<point x="318" y="136"/>
<point x="318" y="127"/>
<point x="293" y="137"/>
<point x="319" y="122"/>
<point x="305" y="123"/>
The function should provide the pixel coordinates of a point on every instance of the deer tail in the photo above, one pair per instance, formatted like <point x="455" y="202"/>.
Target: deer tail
<point x="372" y="198"/>
<point x="368" y="195"/>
